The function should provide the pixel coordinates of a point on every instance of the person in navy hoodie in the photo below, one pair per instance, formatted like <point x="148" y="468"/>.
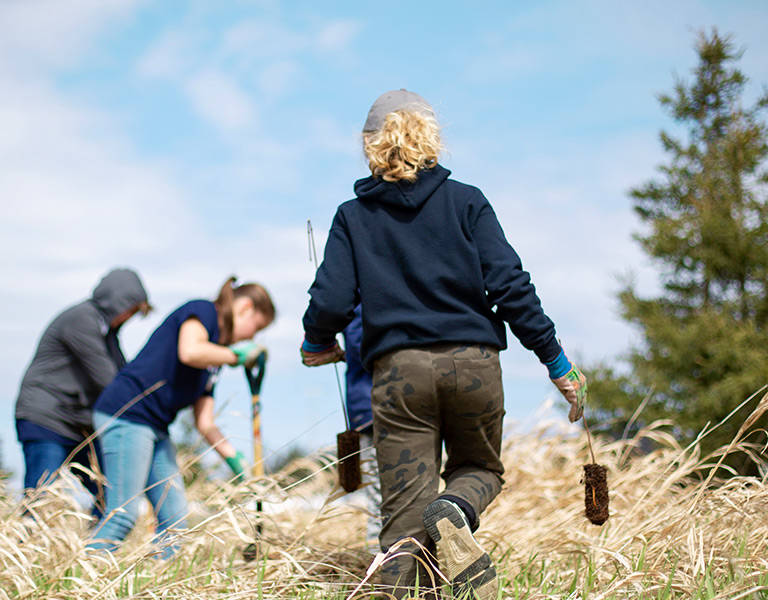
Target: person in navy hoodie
<point x="175" y="369"/>
<point x="427" y="259"/>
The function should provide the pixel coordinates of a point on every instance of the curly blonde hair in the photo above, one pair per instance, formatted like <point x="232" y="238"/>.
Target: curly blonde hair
<point x="406" y="143"/>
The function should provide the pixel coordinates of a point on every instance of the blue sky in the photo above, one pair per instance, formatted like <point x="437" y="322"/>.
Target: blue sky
<point x="192" y="140"/>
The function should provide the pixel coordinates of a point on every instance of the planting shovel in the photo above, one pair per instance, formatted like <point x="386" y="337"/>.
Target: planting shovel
<point x="254" y="374"/>
<point x="348" y="441"/>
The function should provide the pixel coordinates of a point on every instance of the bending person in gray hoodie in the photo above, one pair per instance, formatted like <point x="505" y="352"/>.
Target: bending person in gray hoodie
<point x="77" y="357"/>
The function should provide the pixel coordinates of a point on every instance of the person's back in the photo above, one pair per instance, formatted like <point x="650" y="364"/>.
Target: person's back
<point x="437" y="279"/>
<point x="76" y="359"/>
<point x="55" y="389"/>
<point x="157" y="367"/>
<point x="444" y="250"/>
<point x="77" y="356"/>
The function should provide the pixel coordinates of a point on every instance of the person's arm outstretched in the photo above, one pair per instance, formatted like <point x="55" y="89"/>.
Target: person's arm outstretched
<point x="205" y="422"/>
<point x="510" y="290"/>
<point x="197" y="351"/>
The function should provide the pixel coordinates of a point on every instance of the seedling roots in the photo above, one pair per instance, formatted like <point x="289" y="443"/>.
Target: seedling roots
<point x="596" y="493"/>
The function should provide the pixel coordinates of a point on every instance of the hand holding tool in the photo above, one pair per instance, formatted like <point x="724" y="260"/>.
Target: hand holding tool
<point x="573" y="386"/>
<point x="348" y="441"/>
<point x="315" y="356"/>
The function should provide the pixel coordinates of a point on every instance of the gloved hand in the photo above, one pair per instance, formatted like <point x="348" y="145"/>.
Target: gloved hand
<point x="573" y="385"/>
<point x="314" y="355"/>
<point x="237" y="464"/>
<point x="246" y="353"/>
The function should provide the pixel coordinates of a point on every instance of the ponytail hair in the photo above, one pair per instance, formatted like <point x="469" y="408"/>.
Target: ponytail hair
<point x="227" y="295"/>
<point x="223" y="304"/>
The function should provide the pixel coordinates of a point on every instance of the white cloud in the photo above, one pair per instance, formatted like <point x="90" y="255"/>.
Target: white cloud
<point x="220" y="74"/>
<point x="168" y="58"/>
<point x="538" y="39"/>
<point x="254" y="40"/>
<point x="261" y="50"/>
<point x="221" y="101"/>
<point x="328" y="135"/>
<point x="277" y="78"/>
<point x="337" y="35"/>
<point x="68" y="184"/>
<point x="53" y="33"/>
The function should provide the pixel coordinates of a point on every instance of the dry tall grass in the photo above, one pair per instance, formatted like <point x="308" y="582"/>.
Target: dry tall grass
<point x="673" y="532"/>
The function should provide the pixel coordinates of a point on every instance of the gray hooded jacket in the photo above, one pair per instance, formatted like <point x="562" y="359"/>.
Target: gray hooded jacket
<point x="77" y="357"/>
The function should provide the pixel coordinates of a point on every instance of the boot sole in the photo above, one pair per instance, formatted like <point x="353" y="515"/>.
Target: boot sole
<point x="462" y="559"/>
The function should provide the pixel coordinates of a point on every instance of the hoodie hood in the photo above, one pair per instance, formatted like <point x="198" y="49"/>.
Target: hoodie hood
<point x="118" y="291"/>
<point x="403" y="194"/>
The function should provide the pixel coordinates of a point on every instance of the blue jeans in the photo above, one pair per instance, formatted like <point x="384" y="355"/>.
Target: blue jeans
<point x="137" y="460"/>
<point x="42" y="458"/>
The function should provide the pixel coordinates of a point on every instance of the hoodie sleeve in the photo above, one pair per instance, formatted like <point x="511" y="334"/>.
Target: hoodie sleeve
<point x="334" y="292"/>
<point x="85" y="340"/>
<point x="509" y="287"/>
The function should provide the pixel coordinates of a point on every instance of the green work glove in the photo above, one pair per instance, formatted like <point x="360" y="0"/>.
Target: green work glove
<point x="573" y="385"/>
<point x="246" y="352"/>
<point x="237" y="464"/>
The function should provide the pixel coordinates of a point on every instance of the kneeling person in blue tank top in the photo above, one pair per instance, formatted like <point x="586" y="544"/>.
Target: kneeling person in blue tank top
<point x="174" y="370"/>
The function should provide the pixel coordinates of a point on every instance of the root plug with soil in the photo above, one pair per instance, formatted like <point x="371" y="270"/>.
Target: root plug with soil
<point x="348" y="451"/>
<point x="596" y="493"/>
<point x="595" y="487"/>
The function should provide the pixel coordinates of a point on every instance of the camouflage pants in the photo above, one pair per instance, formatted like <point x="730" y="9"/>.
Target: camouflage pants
<point x="423" y="397"/>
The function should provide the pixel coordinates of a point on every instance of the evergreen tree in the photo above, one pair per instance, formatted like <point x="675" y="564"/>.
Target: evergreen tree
<point x="705" y="340"/>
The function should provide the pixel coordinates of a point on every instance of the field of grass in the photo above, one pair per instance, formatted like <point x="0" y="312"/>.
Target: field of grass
<point x="674" y="532"/>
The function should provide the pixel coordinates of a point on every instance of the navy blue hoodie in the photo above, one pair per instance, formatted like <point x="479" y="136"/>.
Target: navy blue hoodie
<point x="431" y="264"/>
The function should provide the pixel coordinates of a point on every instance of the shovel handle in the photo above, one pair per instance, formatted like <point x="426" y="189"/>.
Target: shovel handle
<point x="255" y="376"/>
<point x="258" y="462"/>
